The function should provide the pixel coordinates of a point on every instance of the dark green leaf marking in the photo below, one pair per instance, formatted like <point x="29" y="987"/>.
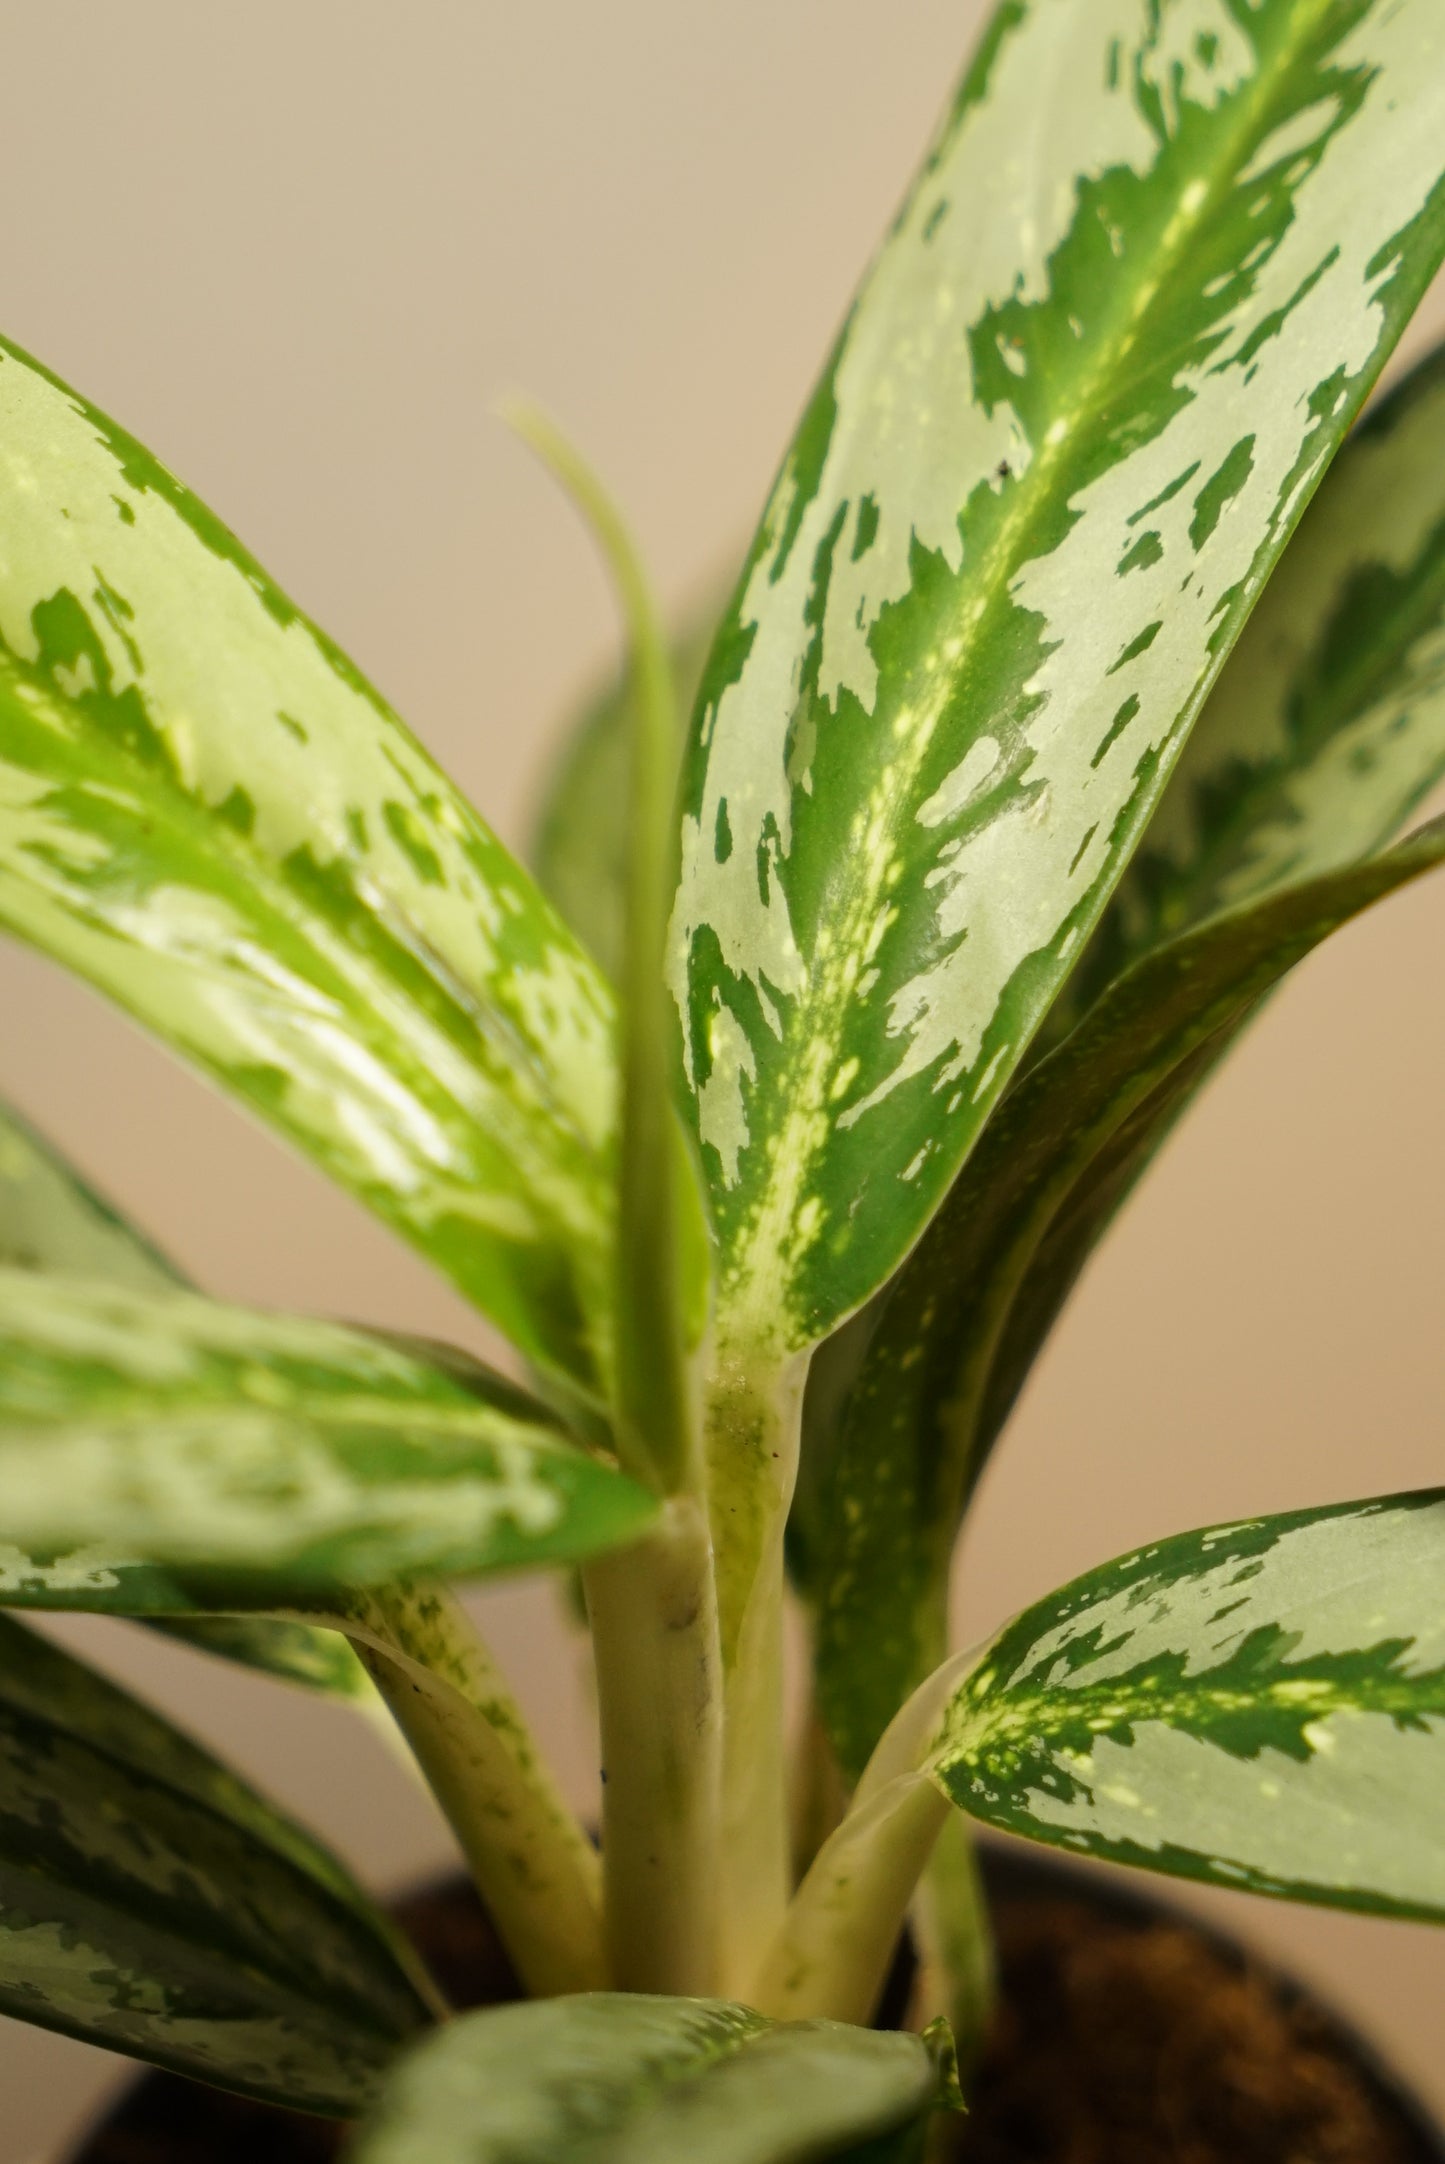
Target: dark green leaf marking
<point x="208" y="813"/>
<point x="1140" y="289"/>
<point x="152" y="1903"/>
<point x="1261" y="1705"/>
<point x="941" y="1364"/>
<point x="253" y="1457"/>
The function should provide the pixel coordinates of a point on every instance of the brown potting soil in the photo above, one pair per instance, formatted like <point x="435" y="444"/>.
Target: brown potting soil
<point x="1122" y="2038"/>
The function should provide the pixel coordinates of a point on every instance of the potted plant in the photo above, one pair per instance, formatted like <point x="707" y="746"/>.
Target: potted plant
<point x="1049" y="723"/>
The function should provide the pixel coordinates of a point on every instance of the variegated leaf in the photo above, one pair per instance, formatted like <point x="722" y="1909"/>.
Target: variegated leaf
<point x="253" y="1456"/>
<point x="1261" y="1705"/>
<point x="579" y="851"/>
<point x="1327" y="725"/>
<point x="152" y="1903"/>
<point x="919" y="1416"/>
<point x="207" y="812"/>
<point x="51" y="1221"/>
<point x="1151" y="267"/>
<point x="609" y="2076"/>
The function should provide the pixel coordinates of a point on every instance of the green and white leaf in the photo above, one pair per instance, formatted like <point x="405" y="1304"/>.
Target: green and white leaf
<point x="150" y="1902"/>
<point x="917" y="1422"/>
<point x="1327" y="726"/>
<point x="579" y="850"/>
<point x="51" y="1221"/>
<point x="604" y="2077"/>
<point x="1338" y="683"/>
<point x="1150" y="269"/>
<point x="255" y="1457"/>
<point x="1261" y="1705"/>
<point x="207" y="812"/>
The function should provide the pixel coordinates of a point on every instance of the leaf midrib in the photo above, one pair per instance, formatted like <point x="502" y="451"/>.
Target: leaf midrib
<point x="813" y="1020"/>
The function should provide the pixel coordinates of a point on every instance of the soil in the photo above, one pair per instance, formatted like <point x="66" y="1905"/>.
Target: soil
<point x="1124" y="2036"/>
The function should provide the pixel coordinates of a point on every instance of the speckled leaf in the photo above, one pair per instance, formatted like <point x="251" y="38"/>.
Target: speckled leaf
<point x="628" y="2079"/>
<point x="207" y="812"/>
<point x="259" y="1455"/>
<point x="152" y="1903"/>
<point x="1150" y="269"/>
<point x="916" y="1423"/>
<point x="1323" y="732"/>
<point x="579" y="852"/>
<point x="50" y="1220"/>
<point x="1261" y="1705"/>
<point x="1327" y="725"/>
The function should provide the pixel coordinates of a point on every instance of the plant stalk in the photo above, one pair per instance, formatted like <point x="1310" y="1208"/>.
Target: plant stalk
<point x="653" y="1610"/>
<point x="751" y="1432"/>
<point x="534" y="1867"/>
<point x="832" y="1954"/>
<point x="959" y="1971"/>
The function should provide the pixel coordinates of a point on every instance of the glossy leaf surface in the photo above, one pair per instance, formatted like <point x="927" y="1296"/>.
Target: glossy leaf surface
<point x="152" y="1903"/>
<point x="254" y="1454"/>
<point x="1261" y="1705"/>
<point x="1145" y="279"/>
<point x="207" y="812"/>
<point x="604" y="2078"/>
<point x="926" y="1403"/>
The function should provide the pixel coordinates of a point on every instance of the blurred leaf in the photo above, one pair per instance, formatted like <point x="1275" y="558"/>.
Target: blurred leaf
<point x="255" y="1456"/>
<point x="637" y="2080"/>
<point x="579" y="852"/>
<point x="152" y="1903"/>
<point x="663" y="1261"/>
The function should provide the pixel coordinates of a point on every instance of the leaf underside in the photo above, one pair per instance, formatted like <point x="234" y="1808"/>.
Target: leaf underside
<point x="1261" y="1705"/>
<point x="1148" y="279"/>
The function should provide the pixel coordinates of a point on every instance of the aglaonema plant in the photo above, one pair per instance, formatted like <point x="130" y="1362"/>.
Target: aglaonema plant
<point x="1049" y="723"/>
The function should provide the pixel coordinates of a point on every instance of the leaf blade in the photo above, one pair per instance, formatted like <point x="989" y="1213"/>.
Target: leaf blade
<point x="849" y="813"/>
<point x="1258" y="1705"/>
<point x="926" y="1404"/>
<point x="610" y="2075"/>
<point x="253" y="1457"/>
<point x="207" y="812"/>
<point x="151" y="1903"/>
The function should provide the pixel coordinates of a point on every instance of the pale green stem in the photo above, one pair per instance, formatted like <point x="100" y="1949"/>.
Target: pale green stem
<point x="751" y="1434"/>
<point x="955" y="1931"/>
<point x="819" y="1793"/>
<point x="536" y="1871"/>
<point x="959" y="1977"/>
<point x="832" y="1954"/>
<point x="653" y="1610"/>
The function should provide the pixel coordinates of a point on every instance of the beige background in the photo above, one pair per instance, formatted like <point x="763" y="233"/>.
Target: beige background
<point x="299" y="248"/>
